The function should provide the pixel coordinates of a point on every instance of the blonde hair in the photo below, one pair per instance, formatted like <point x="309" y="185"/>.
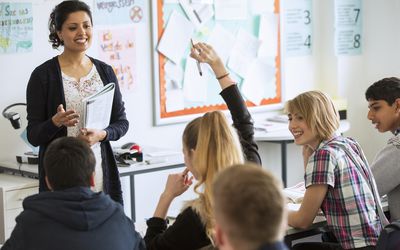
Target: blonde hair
<point x="318" y="111"/>
<point x="216" y="146"/>
<point x="249" y="206"/>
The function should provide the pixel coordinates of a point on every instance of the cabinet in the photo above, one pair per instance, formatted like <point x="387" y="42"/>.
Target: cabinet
<point x="13" y="190"/>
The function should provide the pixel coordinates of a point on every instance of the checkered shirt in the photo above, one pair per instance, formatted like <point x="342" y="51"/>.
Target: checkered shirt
<point x="349" y="205"/>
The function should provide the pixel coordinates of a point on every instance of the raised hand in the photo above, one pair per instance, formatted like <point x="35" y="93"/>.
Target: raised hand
<point x="67" y="118"/>
<point x="205" y="53"/>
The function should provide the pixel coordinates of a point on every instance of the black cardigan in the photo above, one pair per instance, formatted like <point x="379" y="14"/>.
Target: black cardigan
<point x="188" y="232"/>
<point x="43" y="95"/>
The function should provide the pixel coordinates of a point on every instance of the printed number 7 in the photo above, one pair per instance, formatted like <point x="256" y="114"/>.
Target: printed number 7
<point x="357" y="14"/>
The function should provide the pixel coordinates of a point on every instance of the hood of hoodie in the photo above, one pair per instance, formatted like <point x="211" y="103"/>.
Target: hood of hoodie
<point x="77" y="208"/>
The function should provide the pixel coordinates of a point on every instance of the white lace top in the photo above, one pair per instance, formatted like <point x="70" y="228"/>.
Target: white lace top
<point x="74" y="92"/>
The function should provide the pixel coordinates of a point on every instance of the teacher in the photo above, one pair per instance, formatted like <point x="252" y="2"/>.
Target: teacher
<point x="57" y="87"/>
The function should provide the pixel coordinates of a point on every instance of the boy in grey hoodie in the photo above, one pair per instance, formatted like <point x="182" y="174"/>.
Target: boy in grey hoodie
<point x="384" y="111"/>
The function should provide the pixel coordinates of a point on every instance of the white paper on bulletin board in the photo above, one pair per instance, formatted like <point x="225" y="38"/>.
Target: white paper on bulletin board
<point x="179" y="92"/>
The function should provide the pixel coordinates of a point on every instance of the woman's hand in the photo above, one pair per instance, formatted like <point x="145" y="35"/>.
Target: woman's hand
<point x="204" y="53"/>
<point x="92" y="136"/>
<point x="177" y="184"/>
<point x="67" y="118"/>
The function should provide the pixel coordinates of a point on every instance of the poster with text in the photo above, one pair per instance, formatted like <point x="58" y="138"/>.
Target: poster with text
<point x="112" y="12"/>
<point x="348" y="27"/>
<point x="117" y="47"/>
<point x="15" y="27"/>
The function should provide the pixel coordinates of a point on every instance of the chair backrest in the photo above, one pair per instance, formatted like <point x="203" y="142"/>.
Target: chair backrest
<point x="390" y="237"/>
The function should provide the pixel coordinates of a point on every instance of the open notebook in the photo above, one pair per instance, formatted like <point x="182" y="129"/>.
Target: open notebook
<point x="295" y="193"/>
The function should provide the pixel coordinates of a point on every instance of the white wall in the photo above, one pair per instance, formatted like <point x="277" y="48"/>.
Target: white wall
<point x="347" y="77"/>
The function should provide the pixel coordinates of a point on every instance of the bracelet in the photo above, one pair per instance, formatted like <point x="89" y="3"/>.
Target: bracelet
<point x="224" y="75"/>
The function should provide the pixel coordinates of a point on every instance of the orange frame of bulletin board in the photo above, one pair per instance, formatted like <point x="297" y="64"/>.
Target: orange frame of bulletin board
<point x="161" y="114"/>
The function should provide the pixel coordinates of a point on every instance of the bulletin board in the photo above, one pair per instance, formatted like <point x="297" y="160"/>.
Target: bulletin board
<point x="166" y="109"/>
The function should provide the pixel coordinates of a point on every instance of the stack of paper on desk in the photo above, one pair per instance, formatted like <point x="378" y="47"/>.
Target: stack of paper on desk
<point x="266" y="126"/>
<point x="295" y="193"/>
<point x="97" y="108"/>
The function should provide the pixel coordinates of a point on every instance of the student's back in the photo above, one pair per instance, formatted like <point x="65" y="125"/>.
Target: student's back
<point x="71" y="215"/>
<point x="75" y="218"/>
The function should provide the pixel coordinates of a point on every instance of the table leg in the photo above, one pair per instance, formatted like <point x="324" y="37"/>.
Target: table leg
<point x="284" y="162"/>
<point x="133" y="212"/>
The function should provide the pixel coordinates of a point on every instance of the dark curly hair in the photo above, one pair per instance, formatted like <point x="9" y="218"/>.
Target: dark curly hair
<point x="60" y="14"/>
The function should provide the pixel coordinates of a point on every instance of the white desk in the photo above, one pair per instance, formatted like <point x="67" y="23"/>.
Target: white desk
<point x="284" y="137"/>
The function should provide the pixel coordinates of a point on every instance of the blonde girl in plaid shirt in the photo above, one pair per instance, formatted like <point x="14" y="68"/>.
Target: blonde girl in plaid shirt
<point x="335" y="183"/>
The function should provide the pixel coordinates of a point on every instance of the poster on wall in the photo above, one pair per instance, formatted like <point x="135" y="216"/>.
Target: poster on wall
<point x="298" y="21"/>
<point x="15" y="27"/>
<point x="348" y="27"/>
<point x="117" y="47"/>
<point x="111" y="12"/>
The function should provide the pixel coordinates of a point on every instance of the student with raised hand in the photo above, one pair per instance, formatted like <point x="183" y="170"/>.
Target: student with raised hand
<point x="210" y="144"/>
<point x="337" y="177"/>
<point x="72" y="216"/>
<point x="57" y="87"/>
<point x="249" y="208"/>
<point x="384" y="111"/>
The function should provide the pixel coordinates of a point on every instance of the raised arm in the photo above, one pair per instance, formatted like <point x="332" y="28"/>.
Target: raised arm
<point x="241" y="117"/>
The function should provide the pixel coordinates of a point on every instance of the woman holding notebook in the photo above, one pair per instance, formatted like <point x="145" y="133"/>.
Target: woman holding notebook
<point x="57" y="87"/>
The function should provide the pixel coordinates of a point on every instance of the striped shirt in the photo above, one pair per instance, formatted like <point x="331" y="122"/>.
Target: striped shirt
<point x="349" y="205"/>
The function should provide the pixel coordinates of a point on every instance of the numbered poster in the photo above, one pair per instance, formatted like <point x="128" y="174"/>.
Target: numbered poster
<point x="348" y="27"/>
<point x="298" y="21"/>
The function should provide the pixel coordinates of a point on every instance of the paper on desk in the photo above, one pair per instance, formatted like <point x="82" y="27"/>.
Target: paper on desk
<point x="258" y="7"/>
<point x="176" y="37"/>
<point x="268" y="34"/>
<point x="163" y="153"/>
<point x="230" y="9"/>
<point x="269" y="126"/>
<point x="194" y="85"/>
<point x="222" y="41"/>
<point x="295" y="194"/>
<point x="293" y="206"/>
<point x="258" y="81"/>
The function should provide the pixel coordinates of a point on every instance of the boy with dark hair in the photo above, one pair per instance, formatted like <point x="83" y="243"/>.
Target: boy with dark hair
<point x="384" y="111"/>
<point x="72" y="216"/>
<point x="249" y="209"/>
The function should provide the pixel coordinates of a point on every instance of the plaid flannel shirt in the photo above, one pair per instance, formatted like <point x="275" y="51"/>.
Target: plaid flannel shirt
<point x="349" y="205"/>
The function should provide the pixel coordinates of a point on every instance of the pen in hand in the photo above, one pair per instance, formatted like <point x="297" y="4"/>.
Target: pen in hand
<point x="197" y="61"/>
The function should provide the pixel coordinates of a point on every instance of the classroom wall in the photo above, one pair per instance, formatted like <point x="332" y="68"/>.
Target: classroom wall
<point x="345" y="77"/>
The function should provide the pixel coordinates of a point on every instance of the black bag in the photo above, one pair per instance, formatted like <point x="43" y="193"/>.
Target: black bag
<point x="390" y="237"/>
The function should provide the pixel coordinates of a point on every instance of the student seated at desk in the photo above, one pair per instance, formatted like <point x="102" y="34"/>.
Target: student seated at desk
<point x="384" y="111"/>
<point x="250" y="209"/>
<point x="337" y="177"/>
<point x="209" y="145"/>
<point x="72" y="216"/>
